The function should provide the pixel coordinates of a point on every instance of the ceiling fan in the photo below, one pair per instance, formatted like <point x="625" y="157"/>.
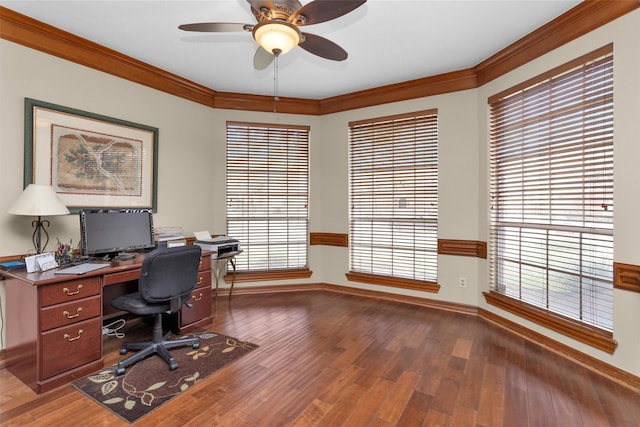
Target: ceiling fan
<point x="277" y="29"/>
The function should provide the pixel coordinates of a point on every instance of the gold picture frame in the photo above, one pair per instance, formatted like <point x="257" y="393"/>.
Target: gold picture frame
<point x="91" y="161"/>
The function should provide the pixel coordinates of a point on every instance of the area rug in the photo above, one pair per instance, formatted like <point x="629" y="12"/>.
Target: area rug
<point x="149" y="383"/>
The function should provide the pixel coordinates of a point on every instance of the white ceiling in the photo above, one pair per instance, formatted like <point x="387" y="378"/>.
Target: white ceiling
<point x="388" y="41"/>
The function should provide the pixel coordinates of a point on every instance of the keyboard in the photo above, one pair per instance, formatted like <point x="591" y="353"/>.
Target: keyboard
<point x="82" y="268"/>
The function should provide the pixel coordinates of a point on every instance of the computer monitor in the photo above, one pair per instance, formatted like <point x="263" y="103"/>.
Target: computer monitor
<point x="110" y="233"/>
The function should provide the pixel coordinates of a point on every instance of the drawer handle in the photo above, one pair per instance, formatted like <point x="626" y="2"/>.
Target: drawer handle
<point x="199" y="281"/>
<point x="197" y="298"/>
<point x="200" y="264"/>
<point x="72" y="316"/>
<point x="76" y="292"/>
<point x="68" y="337"/>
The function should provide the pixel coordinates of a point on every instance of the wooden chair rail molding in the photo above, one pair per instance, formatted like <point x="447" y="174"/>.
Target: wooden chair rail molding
<point x="329" y="239"/>
<point x="579" y="20"/>
<point x="626" y="276"/>
<point x="472" y="248"/>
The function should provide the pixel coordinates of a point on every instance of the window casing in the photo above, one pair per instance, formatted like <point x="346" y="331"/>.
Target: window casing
<point x="551" y="190"/>
<point x="267" y="195"/>
<point x="393" y="192"/>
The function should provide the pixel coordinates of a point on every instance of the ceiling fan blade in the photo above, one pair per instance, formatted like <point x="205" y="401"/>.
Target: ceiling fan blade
<point x="216" y="27"/>
<point x="323" y="47"/>
<point x="262" y="59"/>
<point x="323" y="10"/>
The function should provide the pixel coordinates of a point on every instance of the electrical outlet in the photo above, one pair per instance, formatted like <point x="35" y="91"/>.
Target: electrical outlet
<point x="463" y="282"/>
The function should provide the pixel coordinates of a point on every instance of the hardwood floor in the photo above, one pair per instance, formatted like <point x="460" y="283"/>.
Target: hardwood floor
<point x="327" y="359"/>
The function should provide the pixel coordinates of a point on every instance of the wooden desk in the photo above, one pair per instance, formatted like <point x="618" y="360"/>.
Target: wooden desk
<point x="54" y="322"/>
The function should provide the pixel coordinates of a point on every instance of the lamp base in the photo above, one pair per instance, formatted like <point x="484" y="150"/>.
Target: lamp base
<point x="40" y="229"/>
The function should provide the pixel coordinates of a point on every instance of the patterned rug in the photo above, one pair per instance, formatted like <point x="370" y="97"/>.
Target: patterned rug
<point x="149" y="383"/>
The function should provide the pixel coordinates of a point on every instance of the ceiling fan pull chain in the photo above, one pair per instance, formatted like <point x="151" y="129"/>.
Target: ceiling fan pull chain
<point x="275" y="81"/>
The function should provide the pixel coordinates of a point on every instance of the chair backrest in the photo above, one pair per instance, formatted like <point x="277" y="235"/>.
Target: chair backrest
<point x="169" y="273"/>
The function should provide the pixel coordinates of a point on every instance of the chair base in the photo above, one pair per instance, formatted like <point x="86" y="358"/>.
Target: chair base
<point x="160" y="345"/>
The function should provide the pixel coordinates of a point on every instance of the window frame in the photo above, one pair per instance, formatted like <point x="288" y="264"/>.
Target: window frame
<point x="296" y="186"/>
<point x="399" y="140"/>
<point x="592" y="334"/>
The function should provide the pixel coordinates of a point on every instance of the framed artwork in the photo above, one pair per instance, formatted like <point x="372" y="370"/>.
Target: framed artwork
<point x="91" y="161"/>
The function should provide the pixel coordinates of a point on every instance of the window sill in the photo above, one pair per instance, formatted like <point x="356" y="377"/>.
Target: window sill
<point x="589" y="335"/>
<point x="266" y="275"/>
<point x="395" y="282"/>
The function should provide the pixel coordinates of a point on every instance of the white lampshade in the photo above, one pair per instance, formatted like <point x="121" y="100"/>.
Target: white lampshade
<point x="277" y="37"/>
<point x="38" y="200"/>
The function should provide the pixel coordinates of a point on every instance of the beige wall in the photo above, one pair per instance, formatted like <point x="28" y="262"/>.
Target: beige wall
<point x="192" y="164"/>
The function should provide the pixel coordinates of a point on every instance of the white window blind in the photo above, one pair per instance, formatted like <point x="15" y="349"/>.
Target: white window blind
<point x="551" y="188"/>
<point x="393" y="173"/>
<point x="267" y="194"/>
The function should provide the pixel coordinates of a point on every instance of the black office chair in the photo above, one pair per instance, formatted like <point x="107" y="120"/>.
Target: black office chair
<point x="167" y="278"/>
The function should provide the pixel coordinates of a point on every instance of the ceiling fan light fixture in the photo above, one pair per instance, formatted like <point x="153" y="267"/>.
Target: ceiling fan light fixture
<point x="277" y="37"/>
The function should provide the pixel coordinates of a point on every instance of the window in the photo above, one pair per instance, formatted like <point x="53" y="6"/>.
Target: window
<point x="393" y="174"/>
<point x="551" y="188"/>
<point x="267" y="194"/>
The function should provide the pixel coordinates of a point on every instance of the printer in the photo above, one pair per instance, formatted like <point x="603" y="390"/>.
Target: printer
<point x="220" y="245"/>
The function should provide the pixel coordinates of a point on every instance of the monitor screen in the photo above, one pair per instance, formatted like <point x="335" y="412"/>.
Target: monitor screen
<point x="105" y="231"/>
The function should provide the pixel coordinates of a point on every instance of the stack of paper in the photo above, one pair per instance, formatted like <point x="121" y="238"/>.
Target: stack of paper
<point x="164" y="234"/>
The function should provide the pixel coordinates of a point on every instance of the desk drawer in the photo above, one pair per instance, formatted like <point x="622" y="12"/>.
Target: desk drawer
<point x="205" y="263"/>
<point x="69" y="291"/>
<point x="121" y="277"/>
<point x="204" y="279"/>
<point x="200" y="306"/>
<point x="65" y="314"/>
<point x="70" y="346"/>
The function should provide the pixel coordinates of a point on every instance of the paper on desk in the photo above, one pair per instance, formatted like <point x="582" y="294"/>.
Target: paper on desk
<point x="203" y="236"/>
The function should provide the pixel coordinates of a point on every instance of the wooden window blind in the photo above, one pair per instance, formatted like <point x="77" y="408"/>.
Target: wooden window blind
<point x="551" y="189"/>
<point x="393" y="183"/>
<point x="267" y="194"/>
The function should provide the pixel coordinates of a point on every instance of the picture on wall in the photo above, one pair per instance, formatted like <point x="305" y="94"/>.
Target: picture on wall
<point x="90" y="160"/>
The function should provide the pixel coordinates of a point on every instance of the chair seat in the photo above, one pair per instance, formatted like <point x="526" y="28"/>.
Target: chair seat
<point x="134" y="303"/>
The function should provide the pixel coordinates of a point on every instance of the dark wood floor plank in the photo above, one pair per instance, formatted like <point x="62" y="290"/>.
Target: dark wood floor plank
<point x="492" y="396"/>
<point x="395" y="403"/>
<point x="368" y="406"/>
<point x="327" y="359"/>
<point x="415" y="411"/>
<point x="471" y="383"/>
<point x="343" y="408"/>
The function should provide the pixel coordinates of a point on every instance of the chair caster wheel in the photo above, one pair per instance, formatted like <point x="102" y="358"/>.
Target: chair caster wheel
<point x="123" y="351"/>
<point x="173" y="365"/>
<point x="120" y="371"/>
<point x="196" y="346"/>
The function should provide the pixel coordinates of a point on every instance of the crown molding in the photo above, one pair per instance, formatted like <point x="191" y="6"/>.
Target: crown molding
<point x="427" y="86"/>
<point x="585" y="17"/>
<point x="37" y="35"/>
<point x="576" y="22"/>
<point x="267" y="104"/>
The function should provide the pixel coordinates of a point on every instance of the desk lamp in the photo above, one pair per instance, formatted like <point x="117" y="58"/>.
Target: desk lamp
<point x="39" y="200"/>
